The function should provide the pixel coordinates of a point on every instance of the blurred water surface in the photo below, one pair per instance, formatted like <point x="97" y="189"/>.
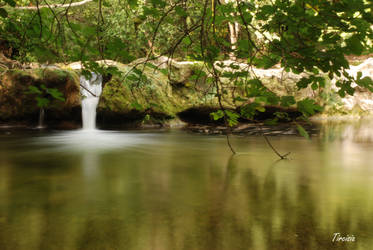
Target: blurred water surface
<point x="176" y="190"/>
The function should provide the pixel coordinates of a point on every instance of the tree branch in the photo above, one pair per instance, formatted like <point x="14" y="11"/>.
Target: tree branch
<point x="53" y="6"/>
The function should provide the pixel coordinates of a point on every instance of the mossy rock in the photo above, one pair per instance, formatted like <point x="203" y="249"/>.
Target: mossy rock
<point x="16" y="103"/>
<point x="153" y="96"/>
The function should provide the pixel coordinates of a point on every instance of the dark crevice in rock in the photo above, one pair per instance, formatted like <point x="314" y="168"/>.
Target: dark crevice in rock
<point x="202" y="115"/>
<point x="131" y="119"/>
<point x="270" y="113"/>
<point x="199" y="115"/>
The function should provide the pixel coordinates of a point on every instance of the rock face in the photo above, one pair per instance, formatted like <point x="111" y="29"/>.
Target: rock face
<point x="283" y="83"/>
<point x="165" y="89"/>
<point x="18" y="104"/>
<point x="152" y="99"/>
<point x="177" y="92"/>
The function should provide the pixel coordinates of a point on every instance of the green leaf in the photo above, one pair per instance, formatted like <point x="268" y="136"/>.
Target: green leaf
<point x="180" y="11"/>
<point x="359" y="75"/>
<point x="345" y="87"/>
<point x="164" y="71"/>
<point x="34" y="90"/>
<point x="42" y="102"/>
<point x="10" y="2"/>
<point x="187" y="41"/>
<point x="265" y="12"/>
<point x="282" y="115"/>
<point x="354" y="45"/>
<point x="86" y="73"/>
<point x="56" y="94"/>
<point x="151" y="12"/>
<point x="158" y="3"/>
<point x="212" y="53"/>
<point x="365" y="82"/>
<point x="266" y="62"/>
<point x="217" y="115"/>
<point x="271" y="122"/>
<point x="155" y="105"/>
<point x="268" y="9"/>
<point x="308" y="107"/>
<point x="133" y="3"/>
<point x="261" y="109"/>
<point x="137" y="106"/>
<point x="321" y="81"/>
<point x="248" y="111"/>
<point x="314" y="86"/>
<point x="303" y="82"/>
<point x="303" y="132"/>
<point x="287" y="101"/>
<point x="116" y="47"/>
<point x="232" y="118"/>
<point x="261" y="99"/>
<point x="240" y="99"/>
<point x="113" y="70"/>
<point x="3" y="13"/>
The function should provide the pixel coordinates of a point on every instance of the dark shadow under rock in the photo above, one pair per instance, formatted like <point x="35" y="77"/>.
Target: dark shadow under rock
<point x="202" y="115"/>
<point x="199" y="115"/>
<point x="131" y="119"/>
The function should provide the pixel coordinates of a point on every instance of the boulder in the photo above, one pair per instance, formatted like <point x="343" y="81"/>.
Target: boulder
<point x="151" y="99"/>
<point x="17" y="103"/>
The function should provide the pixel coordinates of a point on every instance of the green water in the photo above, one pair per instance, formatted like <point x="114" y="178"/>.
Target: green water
<point x="175" y="190"/>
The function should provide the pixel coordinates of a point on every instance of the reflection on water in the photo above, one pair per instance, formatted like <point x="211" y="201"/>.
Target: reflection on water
<point x="359" y="132"/>
<point x="181" y="191"/>
<point x="93" y="140"/>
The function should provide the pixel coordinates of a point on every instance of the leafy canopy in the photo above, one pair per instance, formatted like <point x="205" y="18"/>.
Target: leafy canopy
<point x="307" y="37"/>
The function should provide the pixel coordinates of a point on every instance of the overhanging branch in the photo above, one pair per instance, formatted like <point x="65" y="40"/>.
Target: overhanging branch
<point x="53" y="6"/>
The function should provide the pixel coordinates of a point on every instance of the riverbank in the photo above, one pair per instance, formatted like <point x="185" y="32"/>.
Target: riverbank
<point x="160" y="98"/>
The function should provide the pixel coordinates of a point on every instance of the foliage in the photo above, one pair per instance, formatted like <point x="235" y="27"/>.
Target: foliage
<point x="306" y="37"/>
<point x="3" y="12"/>
<point x="43" y="95"/>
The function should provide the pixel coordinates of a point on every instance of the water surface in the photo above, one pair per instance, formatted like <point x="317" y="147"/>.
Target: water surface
<point x="176" y="190"/>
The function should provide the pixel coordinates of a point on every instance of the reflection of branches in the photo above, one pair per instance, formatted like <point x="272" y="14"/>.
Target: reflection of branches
<point x="230" y="172"/>
<point x="274" y="149"/>
<point x="282" y="157"/>
<point x="231" y="168"/>
<point x="269" y="172"/>
<point x="214" y="73"/>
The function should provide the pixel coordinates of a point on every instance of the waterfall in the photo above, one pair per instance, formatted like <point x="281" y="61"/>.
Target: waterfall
<point x="41" y="119"/>
<point x="90" y="90"/>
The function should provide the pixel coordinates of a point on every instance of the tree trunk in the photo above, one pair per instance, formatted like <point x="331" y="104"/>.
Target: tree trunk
<point x="234" y="30"/>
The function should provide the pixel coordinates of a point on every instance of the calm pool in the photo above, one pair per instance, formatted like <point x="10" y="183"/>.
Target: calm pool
<point x="176" y="190"/>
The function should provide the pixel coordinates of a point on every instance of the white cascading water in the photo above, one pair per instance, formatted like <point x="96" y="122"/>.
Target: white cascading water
<point x="90" y="90"/>
<point x="41" y="119"/>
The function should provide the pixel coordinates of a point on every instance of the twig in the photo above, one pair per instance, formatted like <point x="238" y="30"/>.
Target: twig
<point x="88" y="90"/>
<point x="54" y="5"/>
<point x="217" y="81"/>
<point x="270" y="144"/>
<point x="274" y="150"/>
<point x="229" y="143"/>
